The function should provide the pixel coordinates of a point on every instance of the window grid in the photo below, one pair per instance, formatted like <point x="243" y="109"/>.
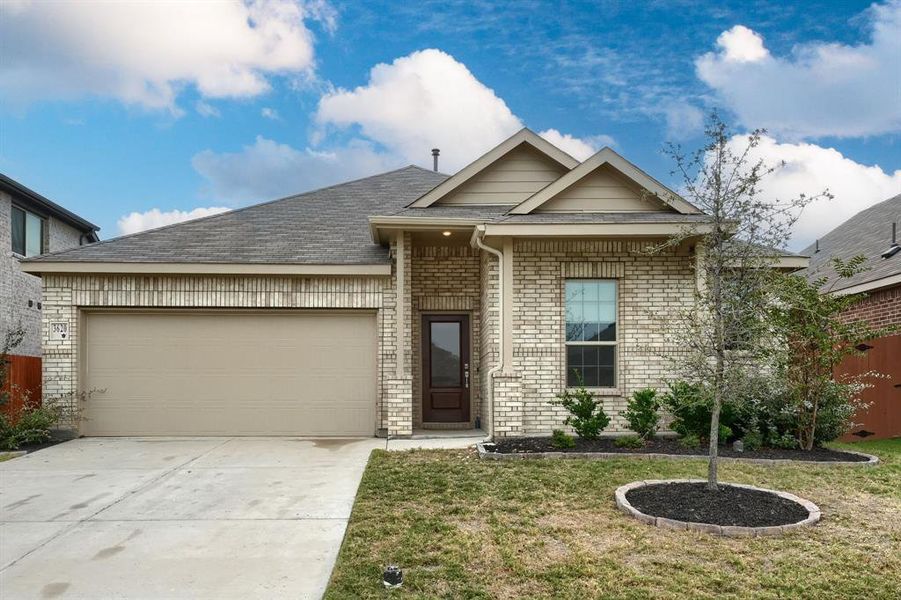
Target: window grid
<point x="610" y="365"/>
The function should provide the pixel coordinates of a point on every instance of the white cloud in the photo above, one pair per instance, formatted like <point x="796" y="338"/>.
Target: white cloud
<point x="143" y="52"/>
<point x="267" y="169"/>
<point x="426" y="100"/>
<point x="579" y="148"/>
<point x="205" y="109"/>
<point x="821" y="89"/>
<point x="741" y="44"/>
<point x="153" y="218"/>
<point x="809" y="169"/>
<point x="270" y="113"/>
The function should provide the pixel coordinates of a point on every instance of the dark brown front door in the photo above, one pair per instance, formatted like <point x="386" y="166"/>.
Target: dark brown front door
<point x="445" y="368"/>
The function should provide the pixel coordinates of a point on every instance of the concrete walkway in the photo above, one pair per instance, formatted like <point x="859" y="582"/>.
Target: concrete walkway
<point x="181" y="517"/>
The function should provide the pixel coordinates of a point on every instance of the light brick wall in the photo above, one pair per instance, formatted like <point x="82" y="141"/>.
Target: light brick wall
<point x="65" y="295"/>
<point x="881" y="308"/>
<point x="446" y="279"/>
<point x="18" y="288"/>
<point x="490" y="326"/>
<point x="648" y="287"/>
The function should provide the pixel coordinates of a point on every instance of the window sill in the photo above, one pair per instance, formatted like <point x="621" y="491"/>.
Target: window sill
<point x="600" y="391"/>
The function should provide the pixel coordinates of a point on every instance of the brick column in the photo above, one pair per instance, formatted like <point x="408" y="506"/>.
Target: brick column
<point x="399" y="406"/>
<point x="508" y="405"/>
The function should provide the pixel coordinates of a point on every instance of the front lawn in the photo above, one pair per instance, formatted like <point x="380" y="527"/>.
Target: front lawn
<point x="464" y="528"/>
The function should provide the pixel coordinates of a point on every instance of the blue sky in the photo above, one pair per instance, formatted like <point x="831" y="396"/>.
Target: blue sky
<point x="129" y="113"/>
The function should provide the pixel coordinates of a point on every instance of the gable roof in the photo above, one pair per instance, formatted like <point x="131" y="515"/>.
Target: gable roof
<point x="31" y="198"/>
<point x="328" y="226"/>
<point x="868" y="233"/>
<point x="606" y="156"/>
<point x="524" y="136"/>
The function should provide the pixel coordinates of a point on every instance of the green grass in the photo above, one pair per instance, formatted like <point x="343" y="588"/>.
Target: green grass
<point x="464" y="528"/>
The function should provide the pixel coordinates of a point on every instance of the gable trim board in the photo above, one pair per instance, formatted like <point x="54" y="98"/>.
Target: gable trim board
<point x="467" y="173"/>
<point x="606" y="156"/>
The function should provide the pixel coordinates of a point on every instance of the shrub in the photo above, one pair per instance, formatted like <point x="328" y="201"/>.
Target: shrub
<point x="586" y="415"/>
<point x="690" y="440"/>
<point x="629" y="441"/>
<point x="32" y="427"/>
<point x="561" y="439"/>
<point x="641" y="413"/>
<point x="752" y="440"/>
<point x="690" y="405"/>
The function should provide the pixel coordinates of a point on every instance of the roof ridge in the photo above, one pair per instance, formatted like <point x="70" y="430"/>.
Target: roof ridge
<point x="224" y="214"/>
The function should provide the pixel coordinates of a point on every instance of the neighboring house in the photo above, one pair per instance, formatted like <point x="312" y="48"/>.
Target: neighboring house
<point x="872" y="233"/>
<point x="30" y="225"/>
<point x="400" y="301"/>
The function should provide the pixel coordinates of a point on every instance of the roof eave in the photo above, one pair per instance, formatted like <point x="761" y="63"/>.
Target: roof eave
<point x="12" y="186"/>
<point x="38" y="267"/>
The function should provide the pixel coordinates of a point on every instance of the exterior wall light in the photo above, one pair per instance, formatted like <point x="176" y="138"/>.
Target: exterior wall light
<point x="446" y="233"/>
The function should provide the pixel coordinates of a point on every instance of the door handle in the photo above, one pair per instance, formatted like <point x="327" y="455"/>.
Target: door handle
<point x="466" y="375"/>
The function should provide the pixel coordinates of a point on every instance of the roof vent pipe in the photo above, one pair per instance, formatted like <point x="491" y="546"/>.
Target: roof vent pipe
<point x="816" y="247"/>
<point x="894" y="248"/>
<point x="435" y="153"/>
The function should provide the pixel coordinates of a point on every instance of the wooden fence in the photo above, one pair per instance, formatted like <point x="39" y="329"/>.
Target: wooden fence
<point x="883" y="419"/>
<point x="23" y="384"/>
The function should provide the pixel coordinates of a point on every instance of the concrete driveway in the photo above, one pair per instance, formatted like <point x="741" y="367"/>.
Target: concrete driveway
<point x="175" y="518"/>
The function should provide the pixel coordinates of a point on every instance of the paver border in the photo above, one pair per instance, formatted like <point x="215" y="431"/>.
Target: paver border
<point x="13" y="454"/>
<point x="486" y="455"/>
<point x="813" y="512"/>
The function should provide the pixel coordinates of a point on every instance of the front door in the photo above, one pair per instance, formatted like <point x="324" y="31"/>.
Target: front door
<point x="445" y="368"/>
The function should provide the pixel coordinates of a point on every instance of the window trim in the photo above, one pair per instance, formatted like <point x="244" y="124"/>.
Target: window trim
<point x="613" y="390"/>
<point x="44" y="231"/>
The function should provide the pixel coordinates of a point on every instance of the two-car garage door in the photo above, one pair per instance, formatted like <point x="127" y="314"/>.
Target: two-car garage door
<point x="230" y="373"/>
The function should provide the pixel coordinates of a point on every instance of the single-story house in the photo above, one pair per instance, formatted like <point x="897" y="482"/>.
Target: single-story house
<point x="400" y="301"/>
<point x="30" y="225"/>
<point x="871" y="233"/>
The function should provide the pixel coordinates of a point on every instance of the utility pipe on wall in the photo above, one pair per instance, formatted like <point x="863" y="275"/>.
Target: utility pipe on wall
<point x="478" y="234"/>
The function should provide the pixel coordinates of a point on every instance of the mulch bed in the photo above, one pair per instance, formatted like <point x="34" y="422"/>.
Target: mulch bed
<point x="669" y="446"/>
<point x="35" y="447"/>
<point x="728" y="505"/>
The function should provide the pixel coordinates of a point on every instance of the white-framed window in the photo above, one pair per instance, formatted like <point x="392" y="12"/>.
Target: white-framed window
<point x="27" y="232"/>
<point x="591" y="335"/>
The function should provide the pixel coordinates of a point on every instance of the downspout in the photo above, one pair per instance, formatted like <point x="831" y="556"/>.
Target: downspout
<point x="477" y="238"/>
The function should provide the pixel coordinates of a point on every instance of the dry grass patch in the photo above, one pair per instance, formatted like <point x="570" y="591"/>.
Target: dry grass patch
<point x="464" y="528"/>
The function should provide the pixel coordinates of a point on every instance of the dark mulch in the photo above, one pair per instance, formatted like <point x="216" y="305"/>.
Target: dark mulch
<point x="35" y="447"/>
<point x="669" y="446"/>
<point x="728" y="505"/>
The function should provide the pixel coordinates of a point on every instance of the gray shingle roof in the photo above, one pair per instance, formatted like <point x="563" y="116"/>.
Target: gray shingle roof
<point x="498" y="214"/>
<point x="325" y="226"/>
<point x="867" y="233"/>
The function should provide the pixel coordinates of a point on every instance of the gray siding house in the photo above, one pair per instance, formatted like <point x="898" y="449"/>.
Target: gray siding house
<point x="403" y="301"/>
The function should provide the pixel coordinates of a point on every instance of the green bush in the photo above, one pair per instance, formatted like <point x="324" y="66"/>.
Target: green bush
<point x="752" y="440"/>
<point x="628" y="441"/>
<point x="690" y="440"/>
<point x="561" y="439"/>
<point x="32" y="427"/>
<point x="641" y="413"/>
<point x="586" y="415"/>
<point x="690" y="405"/>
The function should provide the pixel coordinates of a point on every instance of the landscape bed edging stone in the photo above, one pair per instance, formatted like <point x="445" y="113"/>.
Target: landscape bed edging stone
<point x="485" y="454"/>
<point x="813" y="512"/>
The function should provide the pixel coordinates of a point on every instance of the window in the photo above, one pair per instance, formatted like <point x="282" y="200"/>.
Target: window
<point x="591" y="332"/>
<point x="27" y="232"/>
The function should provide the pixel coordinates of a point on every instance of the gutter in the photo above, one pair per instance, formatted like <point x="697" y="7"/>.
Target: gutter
<point x="477" y="236"/>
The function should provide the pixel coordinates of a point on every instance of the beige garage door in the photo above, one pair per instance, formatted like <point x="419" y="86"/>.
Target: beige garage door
<point x="188" y="373"/>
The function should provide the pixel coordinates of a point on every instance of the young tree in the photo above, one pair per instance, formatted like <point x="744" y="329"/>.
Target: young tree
<point x="813" y="339"/>
<point x="721" y="338"/>
<point x="11" y="339"/>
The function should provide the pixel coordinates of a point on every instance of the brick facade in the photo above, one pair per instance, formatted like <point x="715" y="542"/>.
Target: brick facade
<point x="438" y="279"/>
<point x="881" y="308"/>
<point x="18" y="288"/>
<point x="649" y="285"/>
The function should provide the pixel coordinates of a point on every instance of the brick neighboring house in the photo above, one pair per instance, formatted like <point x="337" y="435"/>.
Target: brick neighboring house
<point x="30" y="225"/>
<point x="872" y="233"/>
<point x="400" y="301"/>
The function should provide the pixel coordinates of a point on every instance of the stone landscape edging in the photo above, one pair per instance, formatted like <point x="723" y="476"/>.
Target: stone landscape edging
<point x="813" y="512"/>
<point x="485" y="454"/>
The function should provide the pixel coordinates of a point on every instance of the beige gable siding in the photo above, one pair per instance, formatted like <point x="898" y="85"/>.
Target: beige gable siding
<point x="510" y="180"/>
<point x="605" y="190"/>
